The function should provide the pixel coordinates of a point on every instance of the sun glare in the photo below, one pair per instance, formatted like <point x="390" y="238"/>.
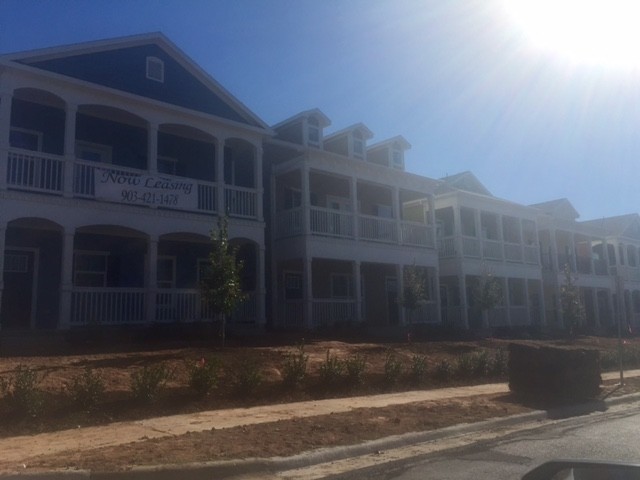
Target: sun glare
<point x="595" y="32"/>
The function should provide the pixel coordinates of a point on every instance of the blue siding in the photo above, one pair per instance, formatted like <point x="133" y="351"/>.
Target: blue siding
<point x="125" y="69"/>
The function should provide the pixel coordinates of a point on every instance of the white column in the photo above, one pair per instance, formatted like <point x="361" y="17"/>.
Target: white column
<point x="262" y="290"/>
<point x="527" y="300"/>
<point x="464" y="307"/>
<point x="308" y="292"/>
<point x="353" y="187"/>
<point x="358" y="289"/>
<point x="501" y="236"/>
<point x="3" y="232"/>
<point x="66" y="280"/>
<point x="220" y="203"/>
<point x="69" y="147"/>
<point x="573" y="254"/>
<point x="152" y="148"/>
<point x="478" y="229"/>
<point x="5" y="126"/>
<point x="151" y="278"/>
<point x="306" y="201"/>
<point x="457" y="232"/>
<point x="400" y="276"/>
<point x="259" y="186"/>
<point x="596" y="306"/>
<point x="397" y="214"/>
<point x="508" y="297"/>
<point x="432" y="222"/>
<point x="554" y="250"/>
<point x="436" y="293"/>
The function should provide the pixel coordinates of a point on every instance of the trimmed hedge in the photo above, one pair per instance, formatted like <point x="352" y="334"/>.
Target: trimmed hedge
<point x="554" y="372"/>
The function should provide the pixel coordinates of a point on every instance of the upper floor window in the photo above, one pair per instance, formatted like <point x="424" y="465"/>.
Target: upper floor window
<point x="397" y="157"/>
<point x="25" y="139"/>
<point x="358" y="144"/>
<point x="94" y="152"/>
<point x="313" y="131"/>
<point x="90" y="269"/>
<point x="155" y="69"/>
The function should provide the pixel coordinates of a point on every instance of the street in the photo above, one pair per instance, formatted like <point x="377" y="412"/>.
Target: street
<point x="612" y="435"/>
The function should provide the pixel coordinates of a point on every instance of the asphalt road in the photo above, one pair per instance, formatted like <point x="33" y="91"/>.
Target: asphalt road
<point x="611" y="435"/>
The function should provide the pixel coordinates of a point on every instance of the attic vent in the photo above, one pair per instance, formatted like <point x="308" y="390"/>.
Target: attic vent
<point x="155" y="69"/>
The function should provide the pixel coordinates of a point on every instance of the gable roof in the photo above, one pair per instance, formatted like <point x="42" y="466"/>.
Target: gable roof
<point x="620" y="225"/>
<point x="366" y="133"/>
<point x="120" y="64"/>
<point x="560" y="207"/>
<point x="315" y="112"/>
<point x="466" y="181"/>
<point x="404" y="145"/>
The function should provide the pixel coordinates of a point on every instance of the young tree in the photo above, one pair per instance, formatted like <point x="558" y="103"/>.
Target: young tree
<point x="220" y="286"/>
<point x="415" y="293"/>
<point x="487" y="295"/>
<point x="573" y="311"/>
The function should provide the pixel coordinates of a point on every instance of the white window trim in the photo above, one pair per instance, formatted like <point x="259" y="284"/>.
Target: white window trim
<point x="160" y="64"/>
<point x="93" y="253"/>
<point x="106" y="151"/>
<point x="293" y="273"/>
<point x="28" y="131"/>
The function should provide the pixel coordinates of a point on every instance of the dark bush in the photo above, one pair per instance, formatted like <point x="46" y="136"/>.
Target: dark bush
<point x="554" y="372"/>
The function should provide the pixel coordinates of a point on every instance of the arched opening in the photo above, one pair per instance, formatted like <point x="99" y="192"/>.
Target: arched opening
<point x="186" y="152"/>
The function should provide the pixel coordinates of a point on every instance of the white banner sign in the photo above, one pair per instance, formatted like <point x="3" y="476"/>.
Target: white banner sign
<point x="125" y="187"/>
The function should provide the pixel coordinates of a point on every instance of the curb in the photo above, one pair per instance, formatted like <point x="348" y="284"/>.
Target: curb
<point x="231" y="468"/>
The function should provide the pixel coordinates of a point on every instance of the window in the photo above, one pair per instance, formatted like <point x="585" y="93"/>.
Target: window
<point x="313" y="130"/>
<point x="341" y="285"/>
<point x="384" y="211"/>
<point x="358" y="144"/>
<point x="90" y="269"/>
<point x="396" y="157"/>
<point x="16" y="263"/>
<point x="93" y="152"/>
<point x="25" y="139"/>
<point x="166" y="272"/>
<point x="167" y="165"/>
<point x="293" y="286"/>
<point x="155" y="69"/>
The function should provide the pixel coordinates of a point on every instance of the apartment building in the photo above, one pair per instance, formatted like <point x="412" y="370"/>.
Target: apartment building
<point x="482" y="237"/>
<point x="116" y="158"/>
<point x="345" y="223"/>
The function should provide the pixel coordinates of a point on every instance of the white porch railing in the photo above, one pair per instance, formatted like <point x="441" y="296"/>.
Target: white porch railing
<point x="84" y="176"/>
<point x="183" y="305"/>
<point x="330" y="311"/>
<point x="293" y="314"/>
<point x="447" y="247"/>
<point x="513" y="252"/>
<point x="240" y="201"/>
<point x="471" y="247"/>
<point x="531" y="254"/>
<point x="377" y="229"/>
<point x="35" y="171"/>
<point x="416" y="234"/>
<point x="492" y="249"/>
<point x="107" y="306"/>
<point x="325" y="221"/>
<point x="207" y="197"/>
<point x="246" y="313"/>
<point x="288" y="223"/>
<point x="634" y="274"/>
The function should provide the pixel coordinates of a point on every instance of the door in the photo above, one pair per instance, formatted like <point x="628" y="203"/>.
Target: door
<point x="18" y="297"/>
<point x="391" y="289"/>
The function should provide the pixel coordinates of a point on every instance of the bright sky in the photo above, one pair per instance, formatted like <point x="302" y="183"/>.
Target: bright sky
<point x="467" y="83"/>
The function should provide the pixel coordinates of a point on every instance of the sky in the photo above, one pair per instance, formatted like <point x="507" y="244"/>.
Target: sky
<point x="459" y="79"/>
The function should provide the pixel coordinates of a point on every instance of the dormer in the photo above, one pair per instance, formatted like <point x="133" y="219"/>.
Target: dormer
<point x="389" y="153"/>
<point x="350" y="142"/>
<point x="305" y="128"/>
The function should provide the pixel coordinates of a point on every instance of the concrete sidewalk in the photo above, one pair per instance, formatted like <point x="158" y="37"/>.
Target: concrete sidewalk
<point x="15" y="450"/>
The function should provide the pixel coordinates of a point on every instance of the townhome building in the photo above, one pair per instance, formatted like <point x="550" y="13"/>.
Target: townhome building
<point x="116" y="159"/>
<point x="583" y="251"/>
<point x="346" y="222"/>
<point x="484" y="238"/>
<point x="622" y="237"/>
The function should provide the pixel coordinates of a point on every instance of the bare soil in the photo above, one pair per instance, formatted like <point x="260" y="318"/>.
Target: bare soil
<point x="269" y="439"/>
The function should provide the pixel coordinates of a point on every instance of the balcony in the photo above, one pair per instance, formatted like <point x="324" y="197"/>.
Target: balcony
<point x="46" y="173"/>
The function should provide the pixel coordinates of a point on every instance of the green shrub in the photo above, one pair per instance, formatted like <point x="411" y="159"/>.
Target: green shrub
<point x="21" y="391"/>
<point x="473" y="365"/>
<point x="204" y="375"/>
<point x="147" y="382"/>
<point x="500" y="363"/>
<point x="355" y="367"/>
<point x="294" y="369"/>
<point x="418" y="369"/>
<point x="443" y="371"/>
<point x="247" y="377"/>
<point x="331" y="370"/>
<point x="86" y="389"/>
<point x="465" y="366"/>
<point x="392" y="369"/>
